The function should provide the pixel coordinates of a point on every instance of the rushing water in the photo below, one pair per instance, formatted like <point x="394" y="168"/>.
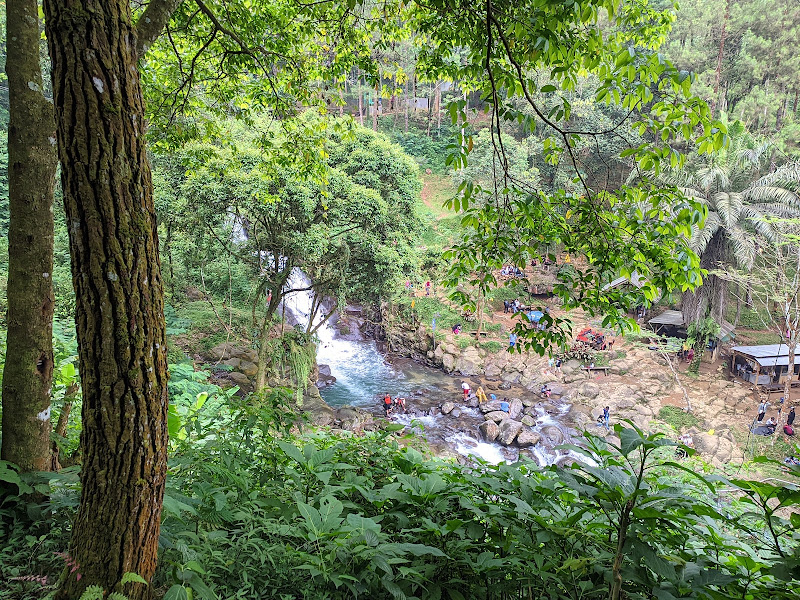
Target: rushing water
<point x="364" y="376"/>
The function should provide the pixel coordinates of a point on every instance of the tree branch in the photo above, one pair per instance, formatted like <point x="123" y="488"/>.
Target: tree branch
<point x="152" y="22"/>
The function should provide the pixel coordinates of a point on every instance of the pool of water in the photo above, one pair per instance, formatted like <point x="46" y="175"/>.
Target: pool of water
<point x="364" y="376"/>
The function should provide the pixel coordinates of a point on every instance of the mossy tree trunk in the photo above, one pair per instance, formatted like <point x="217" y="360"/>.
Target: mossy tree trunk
<point x="108" y="199"/>
<point x="28" y="371"/>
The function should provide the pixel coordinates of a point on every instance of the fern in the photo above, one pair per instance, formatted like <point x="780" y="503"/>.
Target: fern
<point x="93" y="592"/>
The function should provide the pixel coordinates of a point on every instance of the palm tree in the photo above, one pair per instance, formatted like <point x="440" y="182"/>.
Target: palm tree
<point x="740" y="203"/>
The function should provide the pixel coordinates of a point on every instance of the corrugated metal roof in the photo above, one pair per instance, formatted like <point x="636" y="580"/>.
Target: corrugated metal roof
<point x="635" y="280"/>
<point x="772" y="361"/>
<point x="765" y="351"/>
<point x="668" y="317"/>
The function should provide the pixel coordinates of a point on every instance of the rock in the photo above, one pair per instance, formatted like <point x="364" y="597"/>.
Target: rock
<point x="489" y="430"/>
<point x="556" y="389"/>
<point x="528" y="420"/>
<point x="448" y="362"/>
<point x="515" y="408"/>
<point x="317" y="409"/>
<point x="248" y="368"/>
<point x="447" y="408"/>
<point x="572" y="363"/>
<point x="233" y="363"/>
<point x="353" y="419"/>
<point x="324" y="370"/>
<point x="527" y="438"/>
<point x="490" y="406"/>
<point x="590" y="389"/>
<point x="239" y="379"/>
<point x="504" y="385"/>
<point x="509" y="378"/>
<point x="230" y="350"/>
<point x="492" y="370"/>
<point x="553" y="434"/>
<point x="456" y="413"/>
<point x="528" y="402"/>
<point x="473" y="402"/>
<point x="716" y="448"/>
<point x="574" y="376"/>
<point x="508" y="431"/>
<point x="497" y="416"/>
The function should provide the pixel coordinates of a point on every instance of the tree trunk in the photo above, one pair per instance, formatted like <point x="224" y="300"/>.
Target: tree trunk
<point x="375" y="106"/>
<point x="360" y="103"/>
<point x="28" y="371"/>
<point x="439" y="109"/>
<point x="108" y="199"/>
<point x="722" y="37"/>
<point x="405" y="128"/>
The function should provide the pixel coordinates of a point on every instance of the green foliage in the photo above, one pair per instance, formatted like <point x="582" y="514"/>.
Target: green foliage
<point x="677" y="418"/>
<point x="491" y="346"/>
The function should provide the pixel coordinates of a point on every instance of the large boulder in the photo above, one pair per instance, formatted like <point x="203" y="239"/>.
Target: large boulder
<point x="515" y="408"/>
<point x="353" y="419"/>
<point x="509" y="430"/>
<point x="489" y="430"/>
<point x="528" y="420"/>
<point x="490" y="406"/>
<point x="589" y="389"/>
<point x="448" y="362"/>
<point x="496" y="415"/>
<point x="447" y="408"/>
<point x="527" y="438"/>
<point x="716" y="448"/>
<point x="248" y="368"/>
<point x="492" y="370"/>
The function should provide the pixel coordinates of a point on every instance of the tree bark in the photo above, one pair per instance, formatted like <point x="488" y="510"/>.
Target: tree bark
<point x="375" y="105"/>
<point x="28" y="370"/>
<point x="152" y="22"/>
<point x="405" y="127"/>
<point x="718" y="73"/>
<point x="360" y="103"/>
<point x="108" y="199"/>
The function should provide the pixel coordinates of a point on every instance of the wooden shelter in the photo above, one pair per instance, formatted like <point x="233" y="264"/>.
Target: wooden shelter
<point x="766" y="365"/>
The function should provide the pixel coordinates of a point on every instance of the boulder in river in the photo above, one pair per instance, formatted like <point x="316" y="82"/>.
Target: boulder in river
<point x="515" y="408"/>
<point x="490" y="406"/>
<point x="489" y="430"/>
<point x="447" y="408"/>
<point x="456" y="412"/>
<point x="528" y="420"/>
<point x="527" y="438"/>
<point x="508" y="431"/>
<point x="590" y="389"/>
<point x="505" y="385"/>
<point x="496" y="416"/>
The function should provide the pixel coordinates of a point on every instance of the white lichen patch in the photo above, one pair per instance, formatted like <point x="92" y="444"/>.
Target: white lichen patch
<point x="112" y="276"/>
<point x="44" y="415"/>
<point x="98" y="84"/>
<point x="34" y="86"/>
<point x="45" y="275"/>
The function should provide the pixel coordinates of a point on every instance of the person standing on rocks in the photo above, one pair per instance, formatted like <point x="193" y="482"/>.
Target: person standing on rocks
<point x="465" y="388"/>
<point x="606" y="416"/>
<point x="790" y="417"/>
<point x="512" y="339"/>
<point x="762" y="410"/>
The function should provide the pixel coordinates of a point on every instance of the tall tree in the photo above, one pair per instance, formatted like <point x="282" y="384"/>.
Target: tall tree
<point x="108" y="198"/>
<point x="28" y="371"/>
<point x="738" y="207"/>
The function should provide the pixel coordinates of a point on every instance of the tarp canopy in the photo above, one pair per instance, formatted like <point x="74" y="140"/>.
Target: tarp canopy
<point x="668" y="317"/>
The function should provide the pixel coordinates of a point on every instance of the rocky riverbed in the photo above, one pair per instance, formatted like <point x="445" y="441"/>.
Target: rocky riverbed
<point x="638" y="384"/>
